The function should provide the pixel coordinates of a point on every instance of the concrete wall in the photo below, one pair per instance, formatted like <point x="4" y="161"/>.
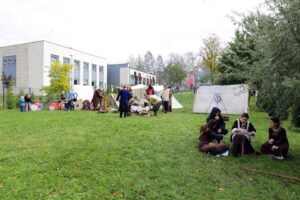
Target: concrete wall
<point x="21" y="53"/>
<point x="124" y="76"/>
<point x="113" y="73"/>
<point x="35" y="65"/>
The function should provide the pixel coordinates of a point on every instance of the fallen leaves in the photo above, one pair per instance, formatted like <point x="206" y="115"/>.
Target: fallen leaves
<point x="117" y="193"/>
<point x="245" y="177"/>
<point x="1" y="186"/>
<point x="50" y="194"/>
<point x="221" y="189"/>
<point x="16" y="173"/>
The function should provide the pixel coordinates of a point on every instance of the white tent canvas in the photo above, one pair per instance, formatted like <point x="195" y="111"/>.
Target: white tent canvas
<point x="230" y="99"/>
<point x="84" y="92"/>
<point x="158" y="89"/>
<point x="175" y="103"/>
<point x="139" y="91"/>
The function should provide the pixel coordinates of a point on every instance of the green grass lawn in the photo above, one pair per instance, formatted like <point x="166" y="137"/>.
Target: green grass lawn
<point x="86" y="155"/>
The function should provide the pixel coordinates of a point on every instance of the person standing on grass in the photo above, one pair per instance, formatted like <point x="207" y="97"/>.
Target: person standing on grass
<point x="155" y="102"/>
<point x="207" y="135"/>
<point x="170" y="100"/>
<point x="242" y="132"/>
<point x="22" y="104"/>
<point x="124" y="96"/>
<point x="130" y="100"/>
<point x="27" y="102"/>
<point x="150" y="90"/>
<point x="278" y="144"/>
<point x="165" y="98"/>
<point x="220" y="127"/>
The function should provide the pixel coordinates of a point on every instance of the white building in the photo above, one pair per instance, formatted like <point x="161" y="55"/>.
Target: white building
<point x="122" y="74"/>
<point x="29" y="65"/>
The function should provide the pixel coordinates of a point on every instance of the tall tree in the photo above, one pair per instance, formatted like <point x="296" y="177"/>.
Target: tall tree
<point x="59" y="79"/>
<point x="190" y="60"/>
<point x="149" y="62"/>
<point x="210" y="54"/>
<point x="140" y="63"/>
<point x="131" y="62"/>
<point x="274" y="56"/>
<point x="237" y="57"/>
<point x="160" y="65"/>
<point x="174" y="74"/>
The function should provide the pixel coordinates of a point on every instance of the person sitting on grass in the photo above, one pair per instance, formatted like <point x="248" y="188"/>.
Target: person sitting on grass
<point x="220" y="127"/>
<point x="71" y="99"/>
<point x="124" y="96"/>
<point x="63" y="96"/>
<point x="22" y="104"/>
<point x="207" y="135"/>
<point x="27" y="102"/>
<point x="155" y="102"/>
<point x="278" y="145"/>
<point x="242" y="131"/>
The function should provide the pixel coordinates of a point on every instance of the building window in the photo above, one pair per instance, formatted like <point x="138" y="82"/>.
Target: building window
<point x="101" y="74"/>
<point x="66" y="60"/>
<point x="14" y="61"/>
<point x="76" y="72"/>
<point x="101" y="85"/>
<point x="85" y="73"/>
<point x="94" y="74"/>
<point x="54" y="58"/>
<point x="10" y="68"/>
<point x="132" y="79"/>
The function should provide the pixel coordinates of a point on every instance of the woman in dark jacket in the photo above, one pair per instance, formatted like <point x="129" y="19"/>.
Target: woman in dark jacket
<point x="278" y="144"/>
<point x="220" y="126"/>
<point x="123" y="107"/>
<point x="27" y="102"/>
<point x="207" y="136"/>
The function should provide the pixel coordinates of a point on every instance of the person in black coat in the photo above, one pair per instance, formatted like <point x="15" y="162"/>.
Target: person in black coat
<point x="220" y="126"/>
<point x="124" y="97"/>
<point x="28" y="102"/>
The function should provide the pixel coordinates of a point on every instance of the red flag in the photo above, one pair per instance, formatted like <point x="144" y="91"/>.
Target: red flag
<point x="191" y="81"/>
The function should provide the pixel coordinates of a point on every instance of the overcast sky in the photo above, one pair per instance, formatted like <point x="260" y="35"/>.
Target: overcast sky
<point x="115" y="29"/>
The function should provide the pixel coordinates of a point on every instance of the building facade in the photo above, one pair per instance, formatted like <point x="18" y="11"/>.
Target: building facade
<point x="29" y="66"/>
<point x="122" y="74"/>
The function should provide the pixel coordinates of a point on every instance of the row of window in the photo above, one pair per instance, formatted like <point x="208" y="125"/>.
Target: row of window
<point x="9" y="61"/>
<point x="9" y="67"/>
<point x="85" y="71"/>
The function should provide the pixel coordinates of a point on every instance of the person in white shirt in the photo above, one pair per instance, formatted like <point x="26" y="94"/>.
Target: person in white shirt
<point x="165" y="98"/>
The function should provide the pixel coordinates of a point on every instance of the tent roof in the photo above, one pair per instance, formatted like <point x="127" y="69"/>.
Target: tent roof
<point x="140" y="86"/>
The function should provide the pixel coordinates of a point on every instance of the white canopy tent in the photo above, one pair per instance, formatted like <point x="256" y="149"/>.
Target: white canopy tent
<point x="139" y="91"/>
<point x="84" y="92"/>
<point x="230" y="99"/>
<point x="158" y="89"/>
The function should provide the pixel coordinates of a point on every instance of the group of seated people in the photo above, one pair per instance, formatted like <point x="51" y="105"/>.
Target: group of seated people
<point x="242" y="131"/>
<point x="69" y="100"/>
